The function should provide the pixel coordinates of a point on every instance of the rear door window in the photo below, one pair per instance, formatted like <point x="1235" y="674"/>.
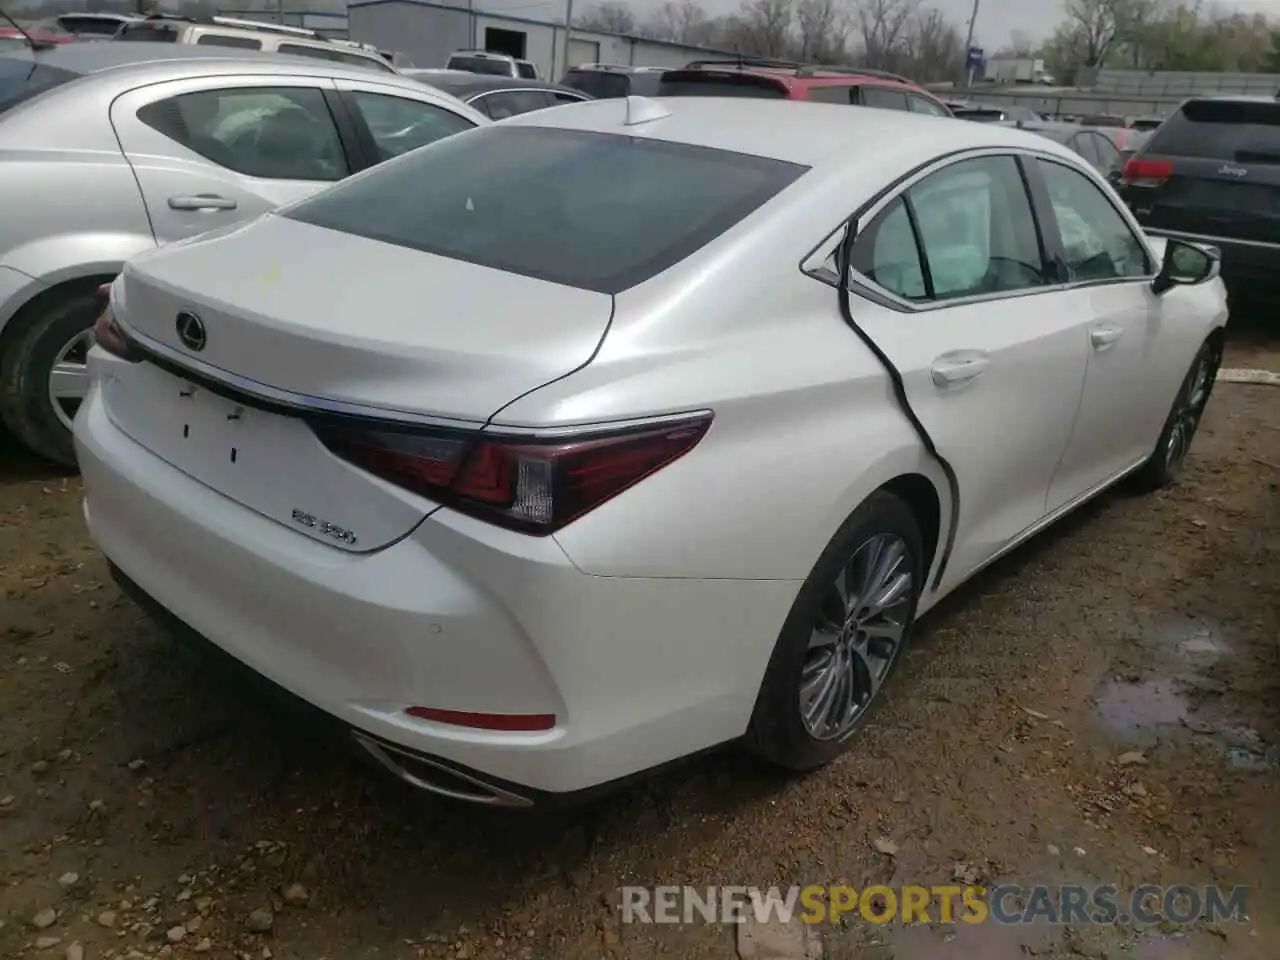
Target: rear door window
<point x="526" y="71"/>
<point x="280" y="133"/>
<point x="1239" y="131"/>
<point x="924" y="105"/>
<point x="882" y="98"/>
<point x="832" y="94"/>
<point x="227" y="40"/>
<point x="589" y="210"/>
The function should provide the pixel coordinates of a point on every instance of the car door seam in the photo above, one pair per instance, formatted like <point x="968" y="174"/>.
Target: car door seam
<point x="115" y="132"/>
<point x="900" y="394"/>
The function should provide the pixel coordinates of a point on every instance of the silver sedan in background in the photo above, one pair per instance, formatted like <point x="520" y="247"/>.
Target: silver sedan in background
<point x="109" y="149"/>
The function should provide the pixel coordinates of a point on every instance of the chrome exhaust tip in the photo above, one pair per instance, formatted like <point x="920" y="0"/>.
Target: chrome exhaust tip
<point x="434" y="777"/>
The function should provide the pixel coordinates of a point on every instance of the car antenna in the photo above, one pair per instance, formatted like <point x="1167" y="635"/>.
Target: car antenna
<point x="34" y="44"/>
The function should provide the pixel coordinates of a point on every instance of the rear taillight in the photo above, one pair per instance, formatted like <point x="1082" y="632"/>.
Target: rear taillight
<point x="1144" y="172"/>
<point x="107" y="332"/>
<point x="535" y="485"/>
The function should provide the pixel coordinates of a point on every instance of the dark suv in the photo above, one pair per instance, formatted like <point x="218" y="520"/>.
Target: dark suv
<point x="1211" y="174"/>
<point x="607" y="81"/>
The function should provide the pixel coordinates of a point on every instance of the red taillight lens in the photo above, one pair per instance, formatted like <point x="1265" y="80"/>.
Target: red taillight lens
<point x="506" y="722"/>
<point x="533" y="485"/>
<point x="1144" y="172"/>
<point x="109" y="335"/>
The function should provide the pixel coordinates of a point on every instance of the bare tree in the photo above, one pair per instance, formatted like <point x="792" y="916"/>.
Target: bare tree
<point x="823" y="30"/>
<point x="1093" y="27"/>
<point x="933" y="47"/>
<point x="608" y="17"/>
<point x="882" y="25"/>
<point x="680" y="21"/>
<point x="762" y="27"/>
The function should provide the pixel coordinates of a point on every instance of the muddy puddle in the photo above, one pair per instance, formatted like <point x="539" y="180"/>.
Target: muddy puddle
<point x="1175" y="696"/>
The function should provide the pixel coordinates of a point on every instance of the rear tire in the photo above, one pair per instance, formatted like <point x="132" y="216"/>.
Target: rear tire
<point x="842" y="633"/>
<point x="1166" y="461"/>
<point x="43" y="336"/>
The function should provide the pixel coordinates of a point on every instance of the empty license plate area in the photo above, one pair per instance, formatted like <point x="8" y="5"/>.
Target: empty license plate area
<point x="269" y="462"/>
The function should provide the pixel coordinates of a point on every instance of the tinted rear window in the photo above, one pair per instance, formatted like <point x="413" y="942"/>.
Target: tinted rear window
<point x="1221" y="130"/>
<point x="599" y="83"/>
<point x="23" y="79"/>
<point x="89" y="26"/>
<point x="148" y="33"/>
<point x="227" y="40"/>
<point x="700" y="84"/>
<point x="590" y="210"/>
<point x="496" y="68"/>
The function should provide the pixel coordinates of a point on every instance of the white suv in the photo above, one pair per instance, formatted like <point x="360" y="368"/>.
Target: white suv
<point x="494" y="64"/>
<point x="252" y="35"/>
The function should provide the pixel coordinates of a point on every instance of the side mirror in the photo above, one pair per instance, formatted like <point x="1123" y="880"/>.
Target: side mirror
<point x="1186" y="264"/>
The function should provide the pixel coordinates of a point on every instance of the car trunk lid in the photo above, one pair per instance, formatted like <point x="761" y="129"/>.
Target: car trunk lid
<point x="351" y="327"/>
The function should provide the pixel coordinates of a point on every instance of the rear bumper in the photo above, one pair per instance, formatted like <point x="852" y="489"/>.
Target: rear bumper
<point x="457" y="615"/>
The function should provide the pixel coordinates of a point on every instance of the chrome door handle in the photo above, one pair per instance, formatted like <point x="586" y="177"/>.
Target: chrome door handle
<point x="202" y="201"/>
<point x="961" y="366"/>
<point x="1104" y="337"/>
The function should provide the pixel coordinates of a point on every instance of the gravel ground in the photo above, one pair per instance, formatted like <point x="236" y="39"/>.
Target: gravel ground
<point x="1103" y="706"/>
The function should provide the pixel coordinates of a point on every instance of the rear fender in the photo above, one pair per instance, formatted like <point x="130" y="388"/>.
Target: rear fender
<point x="52" y="261"/>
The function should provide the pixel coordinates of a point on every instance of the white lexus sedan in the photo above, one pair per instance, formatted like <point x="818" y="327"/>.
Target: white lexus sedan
<point x="562" y="448"/>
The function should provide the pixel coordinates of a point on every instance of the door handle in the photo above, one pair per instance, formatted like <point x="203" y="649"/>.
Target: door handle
<point x="959" y="367"/>
<point x="1103" y="337"/>
<point x="202" y="201"/>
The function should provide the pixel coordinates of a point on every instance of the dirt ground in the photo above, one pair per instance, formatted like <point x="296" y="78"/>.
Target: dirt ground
<point x="1101" y="707"/>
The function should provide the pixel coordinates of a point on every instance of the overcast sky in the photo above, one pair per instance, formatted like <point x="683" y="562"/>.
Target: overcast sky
<point x="997" y="19"/>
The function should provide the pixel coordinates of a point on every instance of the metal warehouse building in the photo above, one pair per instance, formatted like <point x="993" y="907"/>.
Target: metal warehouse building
<point x="427" y="31"/>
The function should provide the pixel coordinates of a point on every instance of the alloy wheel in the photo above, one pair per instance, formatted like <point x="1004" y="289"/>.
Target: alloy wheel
<point x="858" y="636"/>
<point x="1187" y="412"/>
<point x="69" y="377"/>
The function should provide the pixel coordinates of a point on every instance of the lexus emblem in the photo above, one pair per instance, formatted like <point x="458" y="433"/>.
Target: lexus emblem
<point x="191" y="331"/>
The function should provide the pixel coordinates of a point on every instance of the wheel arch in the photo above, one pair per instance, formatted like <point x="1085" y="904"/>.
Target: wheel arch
<point x="43" y="295"/>
<point x="921" y="495"/>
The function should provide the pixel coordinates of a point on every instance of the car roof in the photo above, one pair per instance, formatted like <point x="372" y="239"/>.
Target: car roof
<point x="793" y="78"/>
<point x="802" y="132"/>
<point x="462" y="83"/>
<point x="112" y="55"/>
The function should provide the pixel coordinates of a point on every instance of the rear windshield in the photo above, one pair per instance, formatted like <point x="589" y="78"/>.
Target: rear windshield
<point x="23" y="79"/>
<point x="696" y="83"/>
<point x="90" y="26"/>
<point x="1243" y="131"/>
<point x="496" y="68"/>
<point x="978" y="114"/>
<point x="148" y="33"/>
<point x="599" y="83"/>
<point x="589" y="210"/>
